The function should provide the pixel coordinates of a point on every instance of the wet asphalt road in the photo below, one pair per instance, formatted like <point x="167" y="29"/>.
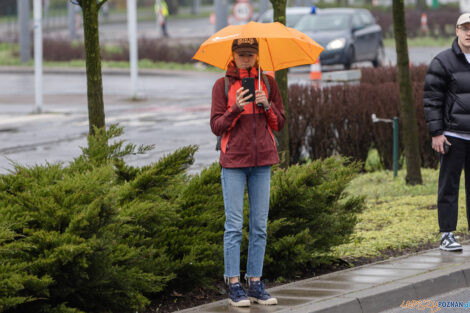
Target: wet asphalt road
<point x="174" y="113"/>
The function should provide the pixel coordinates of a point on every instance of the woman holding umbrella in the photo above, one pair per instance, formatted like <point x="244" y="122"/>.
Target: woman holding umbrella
<point x="248" y="150"/>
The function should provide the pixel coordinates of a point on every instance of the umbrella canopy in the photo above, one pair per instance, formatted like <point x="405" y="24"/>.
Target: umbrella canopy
<point x="279" y="46"/>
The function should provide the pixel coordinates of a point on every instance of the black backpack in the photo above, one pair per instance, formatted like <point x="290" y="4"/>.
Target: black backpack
<point x="268" y="87"/>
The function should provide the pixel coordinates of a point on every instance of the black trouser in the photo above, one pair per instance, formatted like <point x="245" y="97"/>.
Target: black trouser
<point x="452" y="163"/>
<point x="165" y="34"/>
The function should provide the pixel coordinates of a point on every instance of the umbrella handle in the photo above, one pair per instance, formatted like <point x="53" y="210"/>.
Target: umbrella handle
<point x="259" y="83"/>
<point x="259" y="77"/>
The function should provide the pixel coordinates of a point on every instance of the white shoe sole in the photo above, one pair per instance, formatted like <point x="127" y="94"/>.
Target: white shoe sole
<point x="239" y="303"/>
<point x="451" y="249"/>
<point x="271" y="301"/>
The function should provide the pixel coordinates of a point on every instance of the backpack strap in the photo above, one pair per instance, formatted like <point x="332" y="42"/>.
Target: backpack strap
<point x="266" y="82"/>
<point x="226" y="86"/>
<point x="218" y="145"/>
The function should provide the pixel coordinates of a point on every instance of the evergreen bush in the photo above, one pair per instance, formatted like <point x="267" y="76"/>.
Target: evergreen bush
<point x="80" y="239"/>
<point x="99" y="235"/>
<point x="197" y="240"/>
<point x="309" y="214"/>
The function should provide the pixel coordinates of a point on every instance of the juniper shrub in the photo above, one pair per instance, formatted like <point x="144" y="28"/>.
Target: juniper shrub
<point x="98" y="235"/>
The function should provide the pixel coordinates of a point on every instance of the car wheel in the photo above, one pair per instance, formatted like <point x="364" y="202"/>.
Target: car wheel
<point x="379" y="57"/>
<point x="350" y="58"/>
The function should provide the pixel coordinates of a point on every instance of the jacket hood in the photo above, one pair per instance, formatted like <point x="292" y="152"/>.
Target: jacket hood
<point x="238" y="73"/>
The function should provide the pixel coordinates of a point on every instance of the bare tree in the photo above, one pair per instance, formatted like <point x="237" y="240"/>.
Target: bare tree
<point x="90" y="9"/>
<point x="279" y="8"/>
<point x="408" y="111"/>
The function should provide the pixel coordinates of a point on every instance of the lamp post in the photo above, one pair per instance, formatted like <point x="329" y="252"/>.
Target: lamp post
<point x="38" y="92"/>
<point x="133" y="46"/>
<point x="394" y="122"/>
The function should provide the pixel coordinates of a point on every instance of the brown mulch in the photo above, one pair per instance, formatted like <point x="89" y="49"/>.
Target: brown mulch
<point x="179" y="301"/>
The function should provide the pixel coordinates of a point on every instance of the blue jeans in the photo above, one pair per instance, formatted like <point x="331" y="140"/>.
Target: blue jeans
<point x="233" y="188"/>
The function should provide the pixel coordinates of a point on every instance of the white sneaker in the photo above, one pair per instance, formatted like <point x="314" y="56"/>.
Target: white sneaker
<point x="448" y="243"/>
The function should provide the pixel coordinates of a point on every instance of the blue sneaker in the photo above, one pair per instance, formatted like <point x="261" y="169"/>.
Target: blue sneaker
<point x="237" y="295"/>
<point x="257" y="293"/>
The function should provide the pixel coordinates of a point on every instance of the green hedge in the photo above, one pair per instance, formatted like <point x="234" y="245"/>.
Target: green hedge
<point x="98" y="235"/>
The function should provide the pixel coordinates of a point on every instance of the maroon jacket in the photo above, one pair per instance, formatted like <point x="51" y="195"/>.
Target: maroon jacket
<point x="247" y="137"/>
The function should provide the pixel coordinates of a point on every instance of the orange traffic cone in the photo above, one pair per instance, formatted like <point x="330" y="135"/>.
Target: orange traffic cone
<point x="315" y="70"/>
<point x="424" y="23"/>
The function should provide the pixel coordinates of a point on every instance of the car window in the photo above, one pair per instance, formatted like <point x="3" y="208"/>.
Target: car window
<point x="357" y="22"/>
<point x="293" y="19"/>
<point x="366" y="17"/>
<point x="318" y="22"/>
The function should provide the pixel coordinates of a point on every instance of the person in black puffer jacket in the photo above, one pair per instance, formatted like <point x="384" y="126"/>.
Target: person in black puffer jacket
<point x="447" y="111"/>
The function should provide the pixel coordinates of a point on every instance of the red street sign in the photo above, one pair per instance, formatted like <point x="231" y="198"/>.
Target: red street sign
<point x="242" y="11"/>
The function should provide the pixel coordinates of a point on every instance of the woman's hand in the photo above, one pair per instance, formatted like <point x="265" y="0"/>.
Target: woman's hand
<point x="242" y="100"/>
<point x="261" y="98"/>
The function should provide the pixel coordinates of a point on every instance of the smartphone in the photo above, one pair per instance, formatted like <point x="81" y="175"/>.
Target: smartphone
<point x="446" y="148"/>
<point x="249" y="83"/>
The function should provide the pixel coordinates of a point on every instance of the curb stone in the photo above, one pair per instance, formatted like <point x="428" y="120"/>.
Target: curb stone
<point x="383" y="292"/>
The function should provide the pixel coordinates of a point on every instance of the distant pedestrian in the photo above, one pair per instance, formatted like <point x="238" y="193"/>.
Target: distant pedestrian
<point x="161" y="10"/>
<point x="248" y="149"/>
<point x="447" y="111"/>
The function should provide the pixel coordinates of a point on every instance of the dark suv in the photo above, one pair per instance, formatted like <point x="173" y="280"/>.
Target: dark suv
<point x="348" y="35"/>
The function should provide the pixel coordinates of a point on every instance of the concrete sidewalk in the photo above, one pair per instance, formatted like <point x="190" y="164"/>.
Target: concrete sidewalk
<point x="370" y="288"/>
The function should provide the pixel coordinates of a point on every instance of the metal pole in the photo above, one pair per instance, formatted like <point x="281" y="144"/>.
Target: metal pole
<point x="195" y="7"/>
<point x="37" y="55"/>
<point x="132" y="30"/>
<point x="23" y="21"/>
<point x="71" y="20"/>
<point x="395" y="146"/>
<point x="221" y="15"/>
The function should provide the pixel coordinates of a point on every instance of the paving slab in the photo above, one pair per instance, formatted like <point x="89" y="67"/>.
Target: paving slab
<point x="325" y="284"/>
<point x="438" y="260"/>
<point x="408" y="265"/>
<point x="309" y="293"/>
<point x="368" y="279"/>
<point x="370" y="288"/>
<point x="253" y="309"/>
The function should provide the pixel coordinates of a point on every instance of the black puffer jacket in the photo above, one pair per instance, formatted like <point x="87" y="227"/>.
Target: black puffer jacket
<point x="447" y="92"/>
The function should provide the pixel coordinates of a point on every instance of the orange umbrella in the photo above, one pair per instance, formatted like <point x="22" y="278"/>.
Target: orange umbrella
<point x="279" y="46"/>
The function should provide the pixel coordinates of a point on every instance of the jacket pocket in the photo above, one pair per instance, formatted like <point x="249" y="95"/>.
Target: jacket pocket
<point x="457" y="106"/>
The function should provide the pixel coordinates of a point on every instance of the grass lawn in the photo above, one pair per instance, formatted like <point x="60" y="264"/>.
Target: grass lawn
<point x="397" y="216"/>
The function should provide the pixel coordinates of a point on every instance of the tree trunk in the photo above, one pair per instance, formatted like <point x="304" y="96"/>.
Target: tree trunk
<point x="408" y="111"/>
<point x="90" y="10"/>
<point x="279" y="8"/>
